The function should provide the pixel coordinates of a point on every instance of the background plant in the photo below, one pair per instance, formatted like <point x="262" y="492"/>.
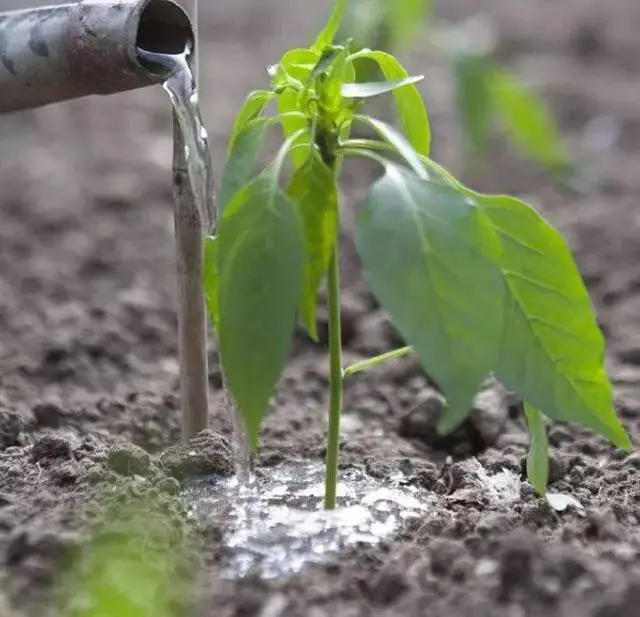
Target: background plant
<point x="476" y="284"/>
<point x="489" y="98"/>
<point x="137" y="560"/>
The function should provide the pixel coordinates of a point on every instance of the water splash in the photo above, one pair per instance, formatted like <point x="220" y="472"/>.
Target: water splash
<point x="276" y="525"/>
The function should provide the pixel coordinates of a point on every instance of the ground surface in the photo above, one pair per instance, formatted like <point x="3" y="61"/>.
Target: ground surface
<point x="88" y="346"/>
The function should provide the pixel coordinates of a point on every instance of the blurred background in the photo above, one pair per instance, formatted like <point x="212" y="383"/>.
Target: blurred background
<point x="537" y="98"/>
<point x="86" y="259"/>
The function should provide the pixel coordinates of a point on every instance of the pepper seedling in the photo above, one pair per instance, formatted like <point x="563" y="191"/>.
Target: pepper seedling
<point x="476" y="284"/>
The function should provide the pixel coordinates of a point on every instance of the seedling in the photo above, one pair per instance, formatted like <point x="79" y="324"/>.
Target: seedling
<point x="476" y="284"/>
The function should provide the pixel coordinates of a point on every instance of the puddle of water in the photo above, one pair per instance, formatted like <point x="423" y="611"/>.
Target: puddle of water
<point x="275" y="526"/>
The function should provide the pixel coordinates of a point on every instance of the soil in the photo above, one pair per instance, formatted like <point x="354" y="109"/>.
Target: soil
<point x="88" y="351"/>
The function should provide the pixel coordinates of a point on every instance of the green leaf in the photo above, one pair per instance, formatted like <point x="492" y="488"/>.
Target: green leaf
<point x="409" y="103"/>
<point x="313" y="190"/>
<point x="472" y="76"/>
<point x="210" y="278"/>
<point x="261" y="267"/>
<point x="295" y="67"/>
<point x="365" y="90"/>
<point x="428" y="257"/>
<point x="399" y="142"/>
<point x="538" y="457"/>
<point x="551" y="350"/>
<point x="325" y="39"/>
<point x="288" y="101"/>
<point x="527" y="120"/>
<point x="254" y="104"/>
<point x="241" y="160"/>
<point x="341" y="71"/>
<point x="323" y="65"/>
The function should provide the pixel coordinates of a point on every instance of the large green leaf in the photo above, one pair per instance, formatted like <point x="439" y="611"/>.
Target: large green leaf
<point x="429" y="258"/>
<point x="551" y="350"/>
<point x="409" y="102"/>
<point x="313" y="190"/>
<point x="538" y="457"/>
<point x="261" y="267"/>
<point x="527" y="120"/>
<point x="241" y="160"/>
<point x="253" y="105"/>
<point x="210" y="278"/>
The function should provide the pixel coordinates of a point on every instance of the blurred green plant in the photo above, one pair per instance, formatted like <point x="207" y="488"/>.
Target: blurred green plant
<point x="476" y="284"/>
<point x="488" y="96"/>
<point x="135" y="562"/>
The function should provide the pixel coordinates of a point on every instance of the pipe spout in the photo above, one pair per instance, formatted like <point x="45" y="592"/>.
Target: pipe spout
<point x="56" y="53"/>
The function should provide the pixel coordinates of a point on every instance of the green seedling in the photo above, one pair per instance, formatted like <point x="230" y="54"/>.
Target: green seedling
<point x="136" y="560"/>
<point x="489" y="98"/>
<point x="476" y="284"/>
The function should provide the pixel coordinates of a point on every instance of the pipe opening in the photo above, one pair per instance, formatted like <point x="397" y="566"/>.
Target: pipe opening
<point x="164" y="28"/>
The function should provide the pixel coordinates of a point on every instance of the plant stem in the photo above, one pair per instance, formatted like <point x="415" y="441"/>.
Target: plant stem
<point x="335" y="381"/>
<point x="365" y="365"/>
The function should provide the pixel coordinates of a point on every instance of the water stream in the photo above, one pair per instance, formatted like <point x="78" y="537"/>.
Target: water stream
<point x="182" y="88"/>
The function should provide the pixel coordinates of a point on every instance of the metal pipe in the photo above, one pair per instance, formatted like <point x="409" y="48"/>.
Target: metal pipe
<point x="56" y="53"/>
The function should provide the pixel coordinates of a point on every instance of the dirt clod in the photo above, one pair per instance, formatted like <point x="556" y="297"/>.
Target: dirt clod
<point x="48" y="415"/>
<point x="50" y="446"/>
<point x="10" y="426"/>
<point x="128" y="459"/>
<point x="207" y="453"/>
<point x="387" y="587"/>
<point x="479" y="431"/>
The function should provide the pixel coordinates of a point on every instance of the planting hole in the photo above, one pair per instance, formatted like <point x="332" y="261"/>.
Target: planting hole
<point x="277" y="525"/>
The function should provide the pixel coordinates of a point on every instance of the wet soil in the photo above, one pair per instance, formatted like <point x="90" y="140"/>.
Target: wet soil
<point x="88" y="350"/>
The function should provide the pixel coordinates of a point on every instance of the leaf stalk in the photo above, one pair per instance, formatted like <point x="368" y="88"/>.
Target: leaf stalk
<point x="369" y="363"/>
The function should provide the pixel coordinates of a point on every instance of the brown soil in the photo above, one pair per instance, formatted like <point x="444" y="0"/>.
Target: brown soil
<point x="88" y="344"/>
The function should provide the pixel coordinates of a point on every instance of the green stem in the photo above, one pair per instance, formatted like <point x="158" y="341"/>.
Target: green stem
<point x="365" y="365"/>
<point x="335" y="381"/>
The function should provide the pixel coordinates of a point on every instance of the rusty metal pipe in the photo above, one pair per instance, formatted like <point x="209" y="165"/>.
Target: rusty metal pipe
<point x="56" y="53"/>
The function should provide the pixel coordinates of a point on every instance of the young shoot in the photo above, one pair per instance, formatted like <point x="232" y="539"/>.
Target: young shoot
<point x="476" y="284"/>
